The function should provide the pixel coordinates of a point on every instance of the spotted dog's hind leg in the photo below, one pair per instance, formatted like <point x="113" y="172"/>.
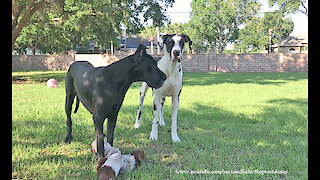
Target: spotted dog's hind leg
<point x="143" y="91"/>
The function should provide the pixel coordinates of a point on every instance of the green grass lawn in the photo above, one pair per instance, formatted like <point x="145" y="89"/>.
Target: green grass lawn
<point x="226" y="121"/>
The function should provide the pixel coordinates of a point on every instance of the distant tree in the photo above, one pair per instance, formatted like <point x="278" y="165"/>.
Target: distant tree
<point x="174" y="28"/>
<point x="291" y="6"/>
<point x="217" y="21"/>
<point x="280" y="25"/>
<point x="152" y="10"/>
<point x="251" y="38"/>
<point x="254" y="37"/>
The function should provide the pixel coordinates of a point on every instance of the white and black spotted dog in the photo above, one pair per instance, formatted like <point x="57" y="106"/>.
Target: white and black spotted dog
<point x="170" y="65"/>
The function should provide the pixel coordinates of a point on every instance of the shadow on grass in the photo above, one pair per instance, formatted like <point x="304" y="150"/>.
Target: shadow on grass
<point x="48" y="132"/>
<point x="42" y="144"/>
<point x="44" y="76"/>
<point x="201" y="120"/>
<point x="209" y="78"/>
<point x="189" y="78"/>
<point x="211" y="137"/>
<point x="39" y="77"/>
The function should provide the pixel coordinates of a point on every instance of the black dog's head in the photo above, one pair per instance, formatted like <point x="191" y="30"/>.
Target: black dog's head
<point x="174" y="45"/>
<point x="146" y="68"/>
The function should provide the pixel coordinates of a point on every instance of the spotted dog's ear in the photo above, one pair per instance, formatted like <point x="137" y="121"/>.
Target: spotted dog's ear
<point x="187" y="39"/>
<point x="163" y="40"/>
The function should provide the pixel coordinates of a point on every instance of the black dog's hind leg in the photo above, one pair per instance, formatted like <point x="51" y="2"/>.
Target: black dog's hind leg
<point x="70" y="95"/>
<point x="68" y="108"/>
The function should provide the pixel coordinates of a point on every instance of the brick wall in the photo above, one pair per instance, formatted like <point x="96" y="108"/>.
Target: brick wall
<point x="40" y="62"/>
<point x="260" y="62"/>
<point x="274" y="62"/>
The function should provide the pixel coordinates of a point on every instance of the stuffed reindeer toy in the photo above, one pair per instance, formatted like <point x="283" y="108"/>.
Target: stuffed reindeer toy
<point x="114" y="163"/>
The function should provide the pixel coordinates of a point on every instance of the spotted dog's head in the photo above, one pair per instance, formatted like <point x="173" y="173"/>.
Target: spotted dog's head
<point x="174" y="45"/>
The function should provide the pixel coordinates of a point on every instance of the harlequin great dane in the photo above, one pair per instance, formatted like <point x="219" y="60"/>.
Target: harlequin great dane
<point x="102" y="90"/>
<point x="171" y="66"/>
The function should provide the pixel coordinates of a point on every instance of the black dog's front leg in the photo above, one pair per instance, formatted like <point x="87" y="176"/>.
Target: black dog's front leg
<point x="98" y="123"/>
<point x="110" y="128"/>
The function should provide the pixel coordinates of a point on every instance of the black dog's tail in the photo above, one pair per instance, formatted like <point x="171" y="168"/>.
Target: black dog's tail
<point x="77" y="104"/>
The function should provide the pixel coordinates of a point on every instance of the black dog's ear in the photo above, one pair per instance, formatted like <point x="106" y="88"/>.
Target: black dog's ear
<point x="163" y="40"/>
<point x="187" y="39"/>
<point x="141" y="49"/>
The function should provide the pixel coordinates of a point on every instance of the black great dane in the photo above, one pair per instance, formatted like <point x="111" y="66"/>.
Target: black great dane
<point x="102" y="90"/>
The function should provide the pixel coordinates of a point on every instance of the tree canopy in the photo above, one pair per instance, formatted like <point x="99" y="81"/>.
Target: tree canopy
<point x="57" y="25"/>
<point x="217" y="21"/>
<point x="254" y="37"/>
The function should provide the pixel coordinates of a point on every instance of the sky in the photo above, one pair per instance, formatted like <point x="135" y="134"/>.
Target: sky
<point x="183" y="6"/>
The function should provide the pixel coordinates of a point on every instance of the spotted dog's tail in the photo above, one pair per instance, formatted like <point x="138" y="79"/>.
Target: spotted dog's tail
<point x="143" y="91"/>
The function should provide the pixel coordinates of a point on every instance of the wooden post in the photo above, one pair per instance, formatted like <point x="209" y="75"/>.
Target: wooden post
<point x="111" y="47"/>
<point x="270" y="35"/>
<point x="158" y="39"/>
<point x="72" y="53"/>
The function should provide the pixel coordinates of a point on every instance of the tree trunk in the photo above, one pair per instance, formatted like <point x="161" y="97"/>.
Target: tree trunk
<point x="30" y="9"/>
<point x="151" y="47"/>
<point x="151" y="40"/>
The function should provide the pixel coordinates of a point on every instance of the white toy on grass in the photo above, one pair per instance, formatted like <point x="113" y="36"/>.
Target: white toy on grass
<point x="108" y="149"/>
<point x="52" y="83"/>
<point x="114" y="163"/>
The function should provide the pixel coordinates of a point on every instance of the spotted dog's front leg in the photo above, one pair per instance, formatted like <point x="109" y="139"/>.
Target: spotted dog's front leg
<point x="162" y="123"/>
<point x="175" y="107"/>
<point x="143" y="91"/>
<point x="156" y="109"/>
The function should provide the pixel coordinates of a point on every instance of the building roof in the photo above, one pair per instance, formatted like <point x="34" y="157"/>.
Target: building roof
<point x="132" y="43"/>
<point x="290" y="41"/>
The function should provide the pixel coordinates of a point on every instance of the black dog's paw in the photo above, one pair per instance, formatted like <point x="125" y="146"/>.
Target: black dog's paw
<point x="68" y="139"/>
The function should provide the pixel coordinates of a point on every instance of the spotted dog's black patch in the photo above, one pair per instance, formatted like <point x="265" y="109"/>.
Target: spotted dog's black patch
<point x="179" y="67"/>
<point x="139" y="115"/>
<point x="154" y="107"/>
<point x="179" y="94"/>
<point x="163" y="99"/>
<point x="168" y="41"/>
